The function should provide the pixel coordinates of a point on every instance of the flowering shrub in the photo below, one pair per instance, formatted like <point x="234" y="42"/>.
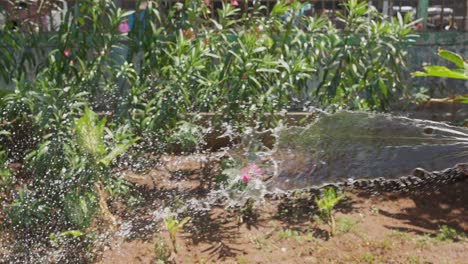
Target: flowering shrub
<point x="148" y="71"/>
<point x="250" y="171"/>
<point x="244" y="185"/>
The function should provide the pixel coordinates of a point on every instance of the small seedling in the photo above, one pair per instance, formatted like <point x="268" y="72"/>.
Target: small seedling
<point x="161" y="251"/>
<point x="367" y="258"/>
<point x="344" y="225"/>
<point x="286" y="234"/>
<point x="325" y="205"/>
<point x="424" y="241"/>
<point x="449" y="234"/>
<point x="172" y="226"/>
<point x="374" y="210"/>
<point x="56" y="240"/>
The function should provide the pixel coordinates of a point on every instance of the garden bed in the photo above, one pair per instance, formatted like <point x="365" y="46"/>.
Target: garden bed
<point x="397" y="228"/>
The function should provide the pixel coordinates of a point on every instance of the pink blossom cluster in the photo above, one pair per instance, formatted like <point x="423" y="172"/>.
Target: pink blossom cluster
<point x="124" y="27"/>
<point x="250" y="171"/>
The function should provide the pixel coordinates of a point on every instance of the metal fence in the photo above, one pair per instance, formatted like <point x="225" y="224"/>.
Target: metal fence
<point x="438" y="15"/>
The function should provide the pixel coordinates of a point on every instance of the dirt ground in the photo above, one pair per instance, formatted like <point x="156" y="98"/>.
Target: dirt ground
<point x="384" y="228"/>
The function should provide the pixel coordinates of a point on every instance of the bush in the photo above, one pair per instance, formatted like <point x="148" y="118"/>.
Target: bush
<point x="174" y="61"/>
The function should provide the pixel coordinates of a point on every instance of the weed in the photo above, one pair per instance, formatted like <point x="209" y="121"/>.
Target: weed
<point x="285" y="234"/>
<point x="173" y="225"/>
<point x="446" y="233"/>
<point x="56" y="240"/>
<point x="400" y="235"/>
<point x="186" y="137"/>
<point x="385" y="244"/>
<point x="326" y="204"/>
<point x="368" y="258"/>
<point x="344" y="225"/>
<point x="258" y="242"/>
<point x="424" y="241"/>
<point x="374" y="210"/>
<point x="317" y="219"/>
<point x="162" y="251"/>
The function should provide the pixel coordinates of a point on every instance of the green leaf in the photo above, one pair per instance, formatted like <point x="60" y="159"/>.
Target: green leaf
<point x="441" y="71"/>
<point x="116" y="151"/>
<point x="4" y="92"/>
<point x="451" y="56"/>
<point x="72" y="233"/>
<point x="90" y="133"/>
<point x="183" y="222"/>
<point x="128" y="13"/>
<point x="279" y="9"/>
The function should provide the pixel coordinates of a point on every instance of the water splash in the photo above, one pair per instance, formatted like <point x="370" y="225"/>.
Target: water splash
<point x="357" y="145"/>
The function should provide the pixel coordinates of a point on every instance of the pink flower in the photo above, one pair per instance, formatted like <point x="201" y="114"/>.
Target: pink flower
<point x="188" y="34"/>
<point x="207" y="2"/>
<point x="419" y="26"/>
<point x="234" y="3"/>
<point x="245" y="178"/>
<point x="66" y="53"/>
<point x="252" y="170"/>
<point x="124" y="27"/>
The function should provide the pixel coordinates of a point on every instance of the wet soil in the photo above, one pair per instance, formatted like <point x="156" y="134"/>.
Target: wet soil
<point x="384" y="228"/>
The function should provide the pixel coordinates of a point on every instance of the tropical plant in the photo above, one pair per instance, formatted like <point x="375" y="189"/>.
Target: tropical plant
<point x="68" y="172"/>
<point x="90" y="139"/>
<point x="460" y="72"/>
<point x="326" y="204"/>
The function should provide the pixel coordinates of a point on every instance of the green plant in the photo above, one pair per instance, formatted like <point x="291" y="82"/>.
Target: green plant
<point x="161" y="251"/>
<point x="368" y="258"/>
<point x="424" y="241"/>
<point x="288" y="234"/>
<point x="344" y="224"/>
<point x="325" y="205"/>
<point x="243" y="188"/>
<point x="374" y="210"/>
<point x="57" y="239"/>
<point x="187" y="136"/>
<point x="80" y="208"/>
<point x="460" y="72"/>
<point x="176" y="60"/>
<point x="401" y="235"/>
<point x="172" y="226"/>
<point x="6" y="179"/>
<point x="26" y="211"/>
<point x="446" y="233"/>
<point x="90" y="139"/>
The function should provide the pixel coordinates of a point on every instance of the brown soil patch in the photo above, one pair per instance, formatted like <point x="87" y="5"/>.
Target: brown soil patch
<point x="388" y="228"/>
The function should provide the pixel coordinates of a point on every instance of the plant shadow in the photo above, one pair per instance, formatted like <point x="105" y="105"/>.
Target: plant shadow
<point x="428" y="211"/>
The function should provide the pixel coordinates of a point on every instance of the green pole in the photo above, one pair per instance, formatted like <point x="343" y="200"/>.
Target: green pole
<point x="422" y="11"/>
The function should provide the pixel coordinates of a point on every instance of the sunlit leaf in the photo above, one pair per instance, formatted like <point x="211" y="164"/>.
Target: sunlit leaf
<point x="441" y="71"/>
<point x="451" y="56"/>
<point x="90" y="133"/>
